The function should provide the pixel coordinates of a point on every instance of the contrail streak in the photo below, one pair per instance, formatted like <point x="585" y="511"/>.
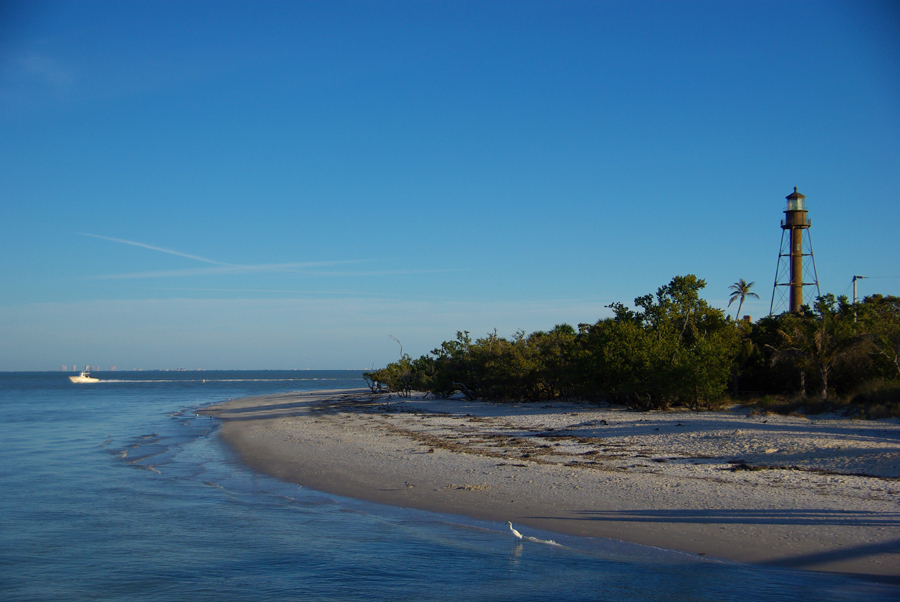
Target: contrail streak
<point x="236" y="268"/>
<point x="152" y="248"/>
<point x="225" y="269"/>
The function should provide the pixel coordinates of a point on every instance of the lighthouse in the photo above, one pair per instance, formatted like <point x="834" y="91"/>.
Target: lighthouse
<point x="794" y="247"/>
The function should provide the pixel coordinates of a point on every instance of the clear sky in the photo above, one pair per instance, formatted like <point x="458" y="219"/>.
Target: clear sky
<point x="289" y="184"/>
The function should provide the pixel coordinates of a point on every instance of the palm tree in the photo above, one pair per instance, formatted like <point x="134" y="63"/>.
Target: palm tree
<point x="741" y="290"/>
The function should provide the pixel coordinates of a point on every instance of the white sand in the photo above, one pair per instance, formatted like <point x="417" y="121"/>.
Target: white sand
<point x="823" y="493"/>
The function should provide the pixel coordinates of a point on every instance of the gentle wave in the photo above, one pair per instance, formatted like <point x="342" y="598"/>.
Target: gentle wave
<point x="115" y="493"/>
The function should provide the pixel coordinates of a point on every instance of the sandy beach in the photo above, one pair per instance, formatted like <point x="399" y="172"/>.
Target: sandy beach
<point x="817" y="493"/>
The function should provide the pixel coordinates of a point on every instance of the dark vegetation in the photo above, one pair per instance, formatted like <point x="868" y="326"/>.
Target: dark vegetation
<point x="673" y="349"/>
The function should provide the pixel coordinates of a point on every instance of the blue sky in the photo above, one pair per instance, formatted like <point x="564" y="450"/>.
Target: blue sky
<point x="288" y="184"/>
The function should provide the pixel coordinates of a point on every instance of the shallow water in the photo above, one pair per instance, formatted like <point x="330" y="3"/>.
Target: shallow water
<point x="119" y="491"/>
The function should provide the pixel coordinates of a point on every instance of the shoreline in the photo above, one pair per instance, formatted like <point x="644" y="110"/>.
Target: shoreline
<point x="814" y="494"/>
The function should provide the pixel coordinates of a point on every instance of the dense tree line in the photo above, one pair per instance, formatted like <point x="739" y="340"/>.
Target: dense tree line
<point x="671" y="349"/>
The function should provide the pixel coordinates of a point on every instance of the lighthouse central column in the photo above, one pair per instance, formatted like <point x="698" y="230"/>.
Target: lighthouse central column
<point x="796" y="298"/>
<point x="795" y="221"/>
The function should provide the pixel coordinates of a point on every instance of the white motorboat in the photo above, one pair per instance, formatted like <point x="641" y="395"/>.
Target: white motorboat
<point x="84" y="377"/>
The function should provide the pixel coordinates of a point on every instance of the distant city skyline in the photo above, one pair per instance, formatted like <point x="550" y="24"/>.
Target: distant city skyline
<point x="296" y="185"/>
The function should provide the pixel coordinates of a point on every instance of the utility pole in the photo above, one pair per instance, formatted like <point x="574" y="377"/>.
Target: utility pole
<point x="855" y="278"/>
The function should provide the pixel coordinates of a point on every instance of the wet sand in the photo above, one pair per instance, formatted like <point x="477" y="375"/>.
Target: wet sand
<point x="817" y="493"/>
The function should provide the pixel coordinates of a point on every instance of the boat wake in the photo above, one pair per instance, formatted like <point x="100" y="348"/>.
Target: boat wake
<point x="546" y="542"/>
<point x="215" y="380"/>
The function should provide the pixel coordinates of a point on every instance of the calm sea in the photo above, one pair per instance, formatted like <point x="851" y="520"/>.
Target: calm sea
<point x="118" y="491"/>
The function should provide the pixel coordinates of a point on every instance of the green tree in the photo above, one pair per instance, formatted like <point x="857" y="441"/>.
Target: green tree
<point x="513" y="372"/>
<point x="555" y="370"/>
<point x="819" y="339"/>
<point x="402" y="376"/>
<point x="881" y="316"/>
<point x="674" y="348"/>
<point x="398" y="376"/>
<point x="453" y="365"/>
<point x="740" y="291"/>
<point x="744" y="350"/>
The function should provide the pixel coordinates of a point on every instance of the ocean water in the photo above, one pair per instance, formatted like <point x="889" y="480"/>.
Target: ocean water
<point x="119" y="491"/>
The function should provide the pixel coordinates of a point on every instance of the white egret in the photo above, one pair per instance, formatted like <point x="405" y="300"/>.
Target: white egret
<point x="514" y="532"/>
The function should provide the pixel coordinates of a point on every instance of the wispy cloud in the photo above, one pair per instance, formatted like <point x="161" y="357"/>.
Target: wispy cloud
<point x="387" y="272"/>
<point x="294" y="268"/>
<point x="380" y="294"/>
<point x="33" y="79"/>
<point x="47" y="70"/>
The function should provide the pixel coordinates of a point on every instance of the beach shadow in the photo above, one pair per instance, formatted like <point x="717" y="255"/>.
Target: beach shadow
<point x="848" y="461"/>
<point x="811" y="561"/>
<point x="638" y="424"/>
<point x="732" y="516"/>
<point x="295" y="405"/>
<point x="804" y="561"/>
<point x="260" y="412"/>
